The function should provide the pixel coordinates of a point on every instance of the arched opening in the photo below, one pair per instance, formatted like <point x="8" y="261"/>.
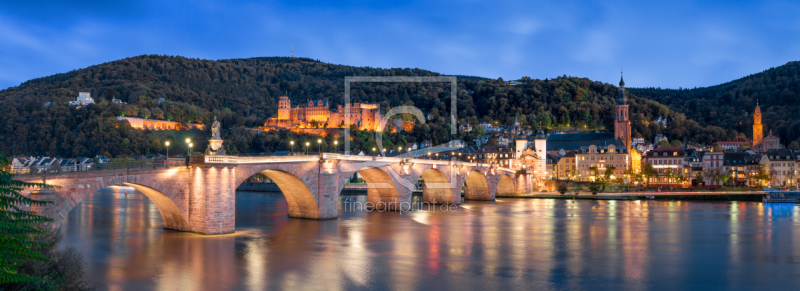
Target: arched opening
<point x="476" y="187"/>
<point x="435" y="187"/>
<point x="381" y="191"/>
<point x="505" y="186"/>
<point x="172" y="215"/>
<point x="302" y="203"/>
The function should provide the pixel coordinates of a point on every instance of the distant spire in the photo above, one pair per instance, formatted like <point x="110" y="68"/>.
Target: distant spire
<point x="622" y="98"/>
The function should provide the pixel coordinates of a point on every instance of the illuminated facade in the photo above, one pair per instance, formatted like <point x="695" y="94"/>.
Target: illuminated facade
<point x="316" y="114"/>
<point x="758" y="131"/>
<point x="669" y="165"/>
<point x="155" y="124"/>
<point x="593" y="161"/>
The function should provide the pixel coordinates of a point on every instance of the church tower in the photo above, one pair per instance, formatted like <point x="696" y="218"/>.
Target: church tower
<point x="622" y="124"/>
<point x="758" y="130"/>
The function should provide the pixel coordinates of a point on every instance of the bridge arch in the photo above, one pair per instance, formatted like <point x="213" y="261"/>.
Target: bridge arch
<point x="477" y="186"/>
<point x="505" y="186"/>
<point x="172" y="215"/>
<point x="167" y="198"/>
<point x="381" y="190"/>
<point x="436" y="187"/>
<point x="302" y="203"/>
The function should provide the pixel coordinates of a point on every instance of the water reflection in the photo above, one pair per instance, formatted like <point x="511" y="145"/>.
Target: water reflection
<point x="511" y="243"/>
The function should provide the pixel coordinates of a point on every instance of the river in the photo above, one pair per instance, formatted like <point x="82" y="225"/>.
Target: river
<point x="532" y="244"/>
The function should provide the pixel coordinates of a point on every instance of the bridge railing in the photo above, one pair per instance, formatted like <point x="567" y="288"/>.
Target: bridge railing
<point x="57" y="170"/>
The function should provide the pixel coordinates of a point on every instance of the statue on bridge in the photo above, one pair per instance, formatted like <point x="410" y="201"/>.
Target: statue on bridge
<point x="215" y="143"/>
<point x="215" y="129"/>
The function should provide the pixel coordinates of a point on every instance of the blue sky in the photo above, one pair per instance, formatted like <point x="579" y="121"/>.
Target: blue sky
<point x="675" y="44"/>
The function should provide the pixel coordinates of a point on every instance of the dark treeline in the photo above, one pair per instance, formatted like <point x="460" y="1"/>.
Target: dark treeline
<point x="730" y="105"/>
<point x="242" y="93"/>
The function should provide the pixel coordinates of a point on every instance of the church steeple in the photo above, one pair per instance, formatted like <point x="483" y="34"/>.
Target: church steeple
<point x="622" y="123"/>
<point x="758" y="129"/>
<point x="622" y="97"/>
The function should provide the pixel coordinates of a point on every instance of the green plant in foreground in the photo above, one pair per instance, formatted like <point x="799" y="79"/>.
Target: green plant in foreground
<point x="18" y="226"/>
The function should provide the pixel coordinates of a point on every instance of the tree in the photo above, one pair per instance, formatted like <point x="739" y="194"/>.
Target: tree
<point x="608" y="173"/>
<point x="562" y="188"/>
<point x="676" y="143"/>
<point x="18" y="226"/>
<point x="762" y="175"/>
<point x="698" y="177"/>
<point x="794" y="144"/>
<point x="724" y="176"/>
<point x="663" y="143"/>
<point x="594" y="188"/>
<point x="648" y="172"/>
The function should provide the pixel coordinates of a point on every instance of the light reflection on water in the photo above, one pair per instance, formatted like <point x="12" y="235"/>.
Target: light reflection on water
<point x="513" y="243"/>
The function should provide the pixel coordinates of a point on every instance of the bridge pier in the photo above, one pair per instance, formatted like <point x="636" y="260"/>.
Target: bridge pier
<point x="49" y="210"/>
<point x="328" y="195"/>
<point x="211" y="203"/>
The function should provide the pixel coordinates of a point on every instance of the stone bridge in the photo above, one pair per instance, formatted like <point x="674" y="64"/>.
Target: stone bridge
<point x="200" y="197"/>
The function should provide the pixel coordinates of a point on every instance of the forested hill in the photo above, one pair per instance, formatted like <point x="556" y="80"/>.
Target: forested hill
<point x="730" y="105"/>
<point x="244" y="92"/>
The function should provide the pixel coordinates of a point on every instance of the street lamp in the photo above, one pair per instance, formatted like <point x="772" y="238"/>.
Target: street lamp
<point x="335" y="145"/>
<point x="319" y="145"/>
<point x="190" y="148"/>
<point x="373" y="151"/>
<point x="307" y="144"/>
<point x="291" y="142"/>
<point x="189" y="152"/>
<point x="167" y="143"/>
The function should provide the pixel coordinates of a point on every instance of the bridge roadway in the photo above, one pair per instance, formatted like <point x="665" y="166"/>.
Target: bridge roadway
<point x="200" y="197"/>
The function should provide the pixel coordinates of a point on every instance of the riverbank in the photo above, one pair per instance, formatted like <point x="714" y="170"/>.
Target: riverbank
<point x="361" y="189"/>
<point x="707" y="196"/>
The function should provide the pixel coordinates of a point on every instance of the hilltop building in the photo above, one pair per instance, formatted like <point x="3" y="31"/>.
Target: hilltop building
<point x="84" y="98"/>
<point x="155" y="124"/>
<point x="316" y="114"/>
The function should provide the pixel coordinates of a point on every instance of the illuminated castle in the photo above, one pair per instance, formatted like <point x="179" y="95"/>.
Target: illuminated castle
<point x="317" y="115"/>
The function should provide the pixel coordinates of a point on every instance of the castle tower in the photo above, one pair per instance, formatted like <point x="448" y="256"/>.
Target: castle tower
<point x="622" y="124"/>
<point x="521" y="144"/>
<point x="758" y="130"/>
<point x="284" y="108"/>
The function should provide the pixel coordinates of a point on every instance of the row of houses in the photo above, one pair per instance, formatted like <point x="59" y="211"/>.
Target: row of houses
<point x="40" y="164"/>
<point x="673" y="167"/>
<point x="680" y="167"/>
<point x="25" y="165"/>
